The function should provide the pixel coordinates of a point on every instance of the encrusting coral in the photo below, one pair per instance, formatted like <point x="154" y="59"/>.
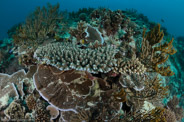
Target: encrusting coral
<point x="15" y="111"/>
<point x="74" y="92"/>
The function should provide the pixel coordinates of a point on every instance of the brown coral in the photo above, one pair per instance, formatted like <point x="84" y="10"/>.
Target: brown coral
<point x="79" y="31"/>
<point x="70" y="90"/>
<point x="110" y="21"/>
<point x="31" y="102"/>
<point x="15" y="111"/>
<point x="48" y="81"/>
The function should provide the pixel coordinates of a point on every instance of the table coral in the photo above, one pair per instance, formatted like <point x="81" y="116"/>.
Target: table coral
<point x="66" y="56"/>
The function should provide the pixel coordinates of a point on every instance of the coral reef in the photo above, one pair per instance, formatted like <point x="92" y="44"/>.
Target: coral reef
<point x="92" y="65"/>
<point x="8" y="62"/>
<point x="15" y="111"/>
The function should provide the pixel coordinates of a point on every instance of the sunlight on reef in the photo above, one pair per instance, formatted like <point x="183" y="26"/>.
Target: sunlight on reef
<point x="90" y="65"/>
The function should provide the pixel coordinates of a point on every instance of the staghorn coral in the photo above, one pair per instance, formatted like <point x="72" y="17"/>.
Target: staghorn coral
<point x="66" y="56"/>
<point x="38" y="26"/>
<point x="153" y="53"/>
<point x="153" y="90"/>
<point x="131" y="71"/>
<point x="132" y="66"/>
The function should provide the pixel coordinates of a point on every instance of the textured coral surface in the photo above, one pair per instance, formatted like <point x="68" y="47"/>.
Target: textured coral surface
<point x="93" y="65"/>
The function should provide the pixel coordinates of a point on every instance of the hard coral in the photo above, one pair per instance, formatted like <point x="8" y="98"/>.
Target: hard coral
<point x="70" y="94"/>
<point x="72" y="90"/>
<point x="15" y="111"/>
<point x="153" y="53"/>
<point x="109" y="20"/>
<point x="66" y="56"/>
<point x="85" y="33"/>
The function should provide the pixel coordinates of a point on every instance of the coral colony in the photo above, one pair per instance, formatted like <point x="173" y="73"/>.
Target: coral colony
<point x="92" y="65"/>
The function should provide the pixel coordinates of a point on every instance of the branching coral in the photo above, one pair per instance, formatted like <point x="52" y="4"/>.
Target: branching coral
<point x="153" y="53"/>
<point x="93" y="74"/>
<point x="38" y="26"/>
<point x="66" y="56"/>
<point x="129" y="66"/>
<point x="109" y="20"/>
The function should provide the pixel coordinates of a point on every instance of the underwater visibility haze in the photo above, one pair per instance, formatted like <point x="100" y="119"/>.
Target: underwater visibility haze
<point x="92" y="61"/>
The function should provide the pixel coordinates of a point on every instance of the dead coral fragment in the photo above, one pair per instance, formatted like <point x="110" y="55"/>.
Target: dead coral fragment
<point x="153" y="53"/>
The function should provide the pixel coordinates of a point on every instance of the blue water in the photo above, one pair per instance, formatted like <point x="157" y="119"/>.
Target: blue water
<point x="171" y="11"/>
